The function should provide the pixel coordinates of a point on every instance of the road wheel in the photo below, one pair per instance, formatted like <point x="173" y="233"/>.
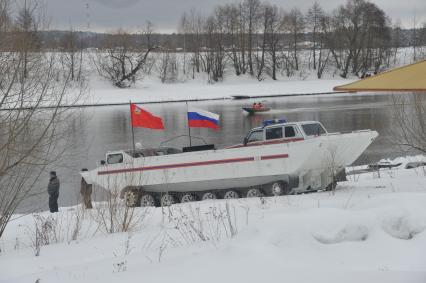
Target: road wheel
<point x="254" y="193"/>
<point x="131" y="198"/>
<point x="187" y="198"/>
<point x="277" y="188"/>
<point x="167" y="200"/>
<point x="208" y="196"/>
<point x="231" y="194"/>
<point x="147" y="200"/>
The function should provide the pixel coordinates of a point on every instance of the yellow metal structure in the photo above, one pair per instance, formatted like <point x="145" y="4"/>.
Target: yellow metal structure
<point x="409" y="78"/>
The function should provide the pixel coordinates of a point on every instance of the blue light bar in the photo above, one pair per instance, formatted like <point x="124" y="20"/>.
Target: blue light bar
<point x="273" y="121"/>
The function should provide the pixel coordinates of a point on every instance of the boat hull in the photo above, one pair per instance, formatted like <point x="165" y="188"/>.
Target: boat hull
<point x="310" y="160"/>
<point x="337" y="151"/>
<point x="207" y="170"/>
<point x="251" y="110"/>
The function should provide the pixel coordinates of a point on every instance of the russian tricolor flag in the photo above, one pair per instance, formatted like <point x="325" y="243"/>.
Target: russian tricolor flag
<point x="198" y="118"/>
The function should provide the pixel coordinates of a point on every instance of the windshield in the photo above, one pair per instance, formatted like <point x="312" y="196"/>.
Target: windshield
<point x="115" y="158"/>
<point x="255" y="136"/>
<point x="313" y="129"/>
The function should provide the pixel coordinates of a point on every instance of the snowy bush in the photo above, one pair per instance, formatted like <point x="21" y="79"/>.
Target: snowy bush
<point x="403" y="225"/>
<point x="350" y="232"/>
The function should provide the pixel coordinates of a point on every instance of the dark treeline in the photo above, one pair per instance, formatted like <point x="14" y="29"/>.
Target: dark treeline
<point x="54" y="39"/>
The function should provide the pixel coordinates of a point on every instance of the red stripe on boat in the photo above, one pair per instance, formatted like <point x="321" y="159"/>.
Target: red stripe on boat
<point x="283" y="141"/>
<point x="179" y="165"/>
<point x="267" y="157"/>
<point x="267" y="142"/>
<point x="191" y="164"/>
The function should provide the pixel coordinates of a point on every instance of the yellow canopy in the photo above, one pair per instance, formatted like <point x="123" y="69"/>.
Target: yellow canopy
<point x="409" y="78"/>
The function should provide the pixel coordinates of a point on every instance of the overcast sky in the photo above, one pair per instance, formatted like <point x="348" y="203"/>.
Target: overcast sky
<point x="108" y="15"/>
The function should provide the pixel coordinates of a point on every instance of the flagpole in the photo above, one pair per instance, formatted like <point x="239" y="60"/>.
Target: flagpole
<point x="131" y="123"/>
<point x="189" y="128"/>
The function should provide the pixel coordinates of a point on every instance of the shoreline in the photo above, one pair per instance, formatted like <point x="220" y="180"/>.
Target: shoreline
<point x="181" y="100"/>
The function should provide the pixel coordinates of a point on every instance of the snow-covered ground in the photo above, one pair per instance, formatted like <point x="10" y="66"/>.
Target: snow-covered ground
<point x="372" y="229"/>
<point x="149" y="87"/>
<point x="151" y="90"/>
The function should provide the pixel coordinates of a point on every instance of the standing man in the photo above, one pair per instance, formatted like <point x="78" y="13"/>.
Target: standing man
<point x="86" y="192"/>
<point x="53" y="191"/>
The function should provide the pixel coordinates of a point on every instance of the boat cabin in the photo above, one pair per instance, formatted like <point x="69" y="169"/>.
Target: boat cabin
<point x="285" y="132"/>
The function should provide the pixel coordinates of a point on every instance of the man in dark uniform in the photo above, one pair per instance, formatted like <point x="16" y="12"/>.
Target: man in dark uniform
<point x="86" y="192"/>
<point x="53" y="191"/>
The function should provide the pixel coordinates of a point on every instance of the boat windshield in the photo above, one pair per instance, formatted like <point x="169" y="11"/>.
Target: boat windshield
<point x="255" y="136"/>
<point x="115" y="158"/>
<point x="313" y="129"/>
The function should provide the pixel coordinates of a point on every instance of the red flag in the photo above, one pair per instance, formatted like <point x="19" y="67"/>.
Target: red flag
<point x="144" y="119"/>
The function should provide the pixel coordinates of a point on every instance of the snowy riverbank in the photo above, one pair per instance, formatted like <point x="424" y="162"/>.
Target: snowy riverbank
<point x="101" y="92"/>
<point x="189" y="86"/>
<point x="371" y="230"/>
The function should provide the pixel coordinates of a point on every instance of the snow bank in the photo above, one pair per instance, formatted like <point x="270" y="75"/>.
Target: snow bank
<point x="151" y="90"/>
<point x="347" y="232"/>
<point x="186" y="87"/>
<point x="403" y="224"/>
<point x="371" y="230"/>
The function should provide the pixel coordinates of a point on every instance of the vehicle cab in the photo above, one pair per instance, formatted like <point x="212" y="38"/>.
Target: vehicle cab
<point x="284" y="132"/>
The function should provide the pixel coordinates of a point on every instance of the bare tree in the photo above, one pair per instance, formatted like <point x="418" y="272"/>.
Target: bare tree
<point x="114" y="215"/>
<point x="214" y="57"/>
<point x="355" y="38"/>
<point x="273" y="32"/>
<point x="375" y="50"/>
<point x="313" y="20"/>
<point x="396" y="40"/>
<point x="29" y="20"/>
<point x="118" y="212"/>
<point x="120" y="63"/>
<point x="422" y="42"/>
<point x="235" y="22"/>
<point x="167" y="66"/>
<point x="267" y="12"/>
<point x="410" y="121"/>
<point x="5" y="24"/>
<point x="414" y="38"/>
<point x="192" y="25"/>
<point x="32" y="137"/>
<point x="252" y="13"/>
<point x="295" y="25"/>
<point x="72" y="49"/>
<point x="363" y="35"/>
<point x="231" y="16"/>
<point x="323" y="51"/>
<point x="332" y="167"/>
<point x="183" y="29"/>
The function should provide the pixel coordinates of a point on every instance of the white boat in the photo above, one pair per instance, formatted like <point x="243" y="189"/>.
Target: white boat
<point x="276" y="159"/>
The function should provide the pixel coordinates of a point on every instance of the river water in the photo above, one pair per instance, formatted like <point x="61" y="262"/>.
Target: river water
<point x="101" y="129"/>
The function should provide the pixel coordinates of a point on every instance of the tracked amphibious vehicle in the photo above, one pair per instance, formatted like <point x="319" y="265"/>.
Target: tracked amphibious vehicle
<point x="275" y="159"/>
